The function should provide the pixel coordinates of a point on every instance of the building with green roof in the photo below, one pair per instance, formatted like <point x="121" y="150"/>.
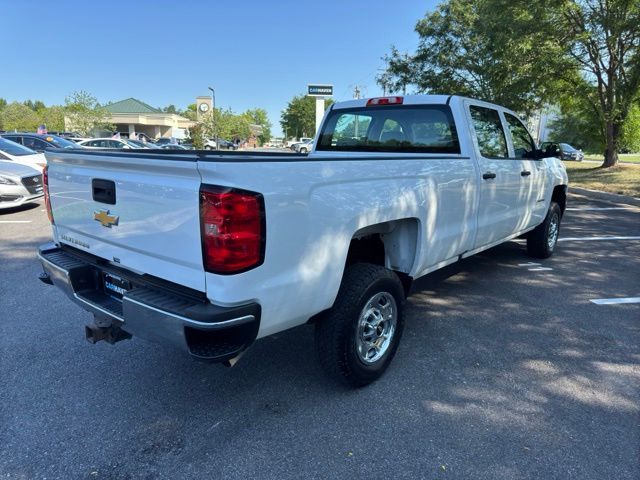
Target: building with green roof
<point x="133" y="117"/>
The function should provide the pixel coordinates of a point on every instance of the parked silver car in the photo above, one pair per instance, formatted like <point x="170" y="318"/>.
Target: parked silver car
<point x="18" y="184"/>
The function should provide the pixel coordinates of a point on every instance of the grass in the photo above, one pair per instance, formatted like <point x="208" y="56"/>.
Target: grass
<point x="623" y="157"/>
<point x="623" y="179"/>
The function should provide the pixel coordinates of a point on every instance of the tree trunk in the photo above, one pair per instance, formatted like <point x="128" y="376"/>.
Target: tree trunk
<point x="611" y="151"/>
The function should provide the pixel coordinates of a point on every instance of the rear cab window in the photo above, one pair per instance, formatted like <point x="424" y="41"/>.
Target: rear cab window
<point x="390" y="129"/>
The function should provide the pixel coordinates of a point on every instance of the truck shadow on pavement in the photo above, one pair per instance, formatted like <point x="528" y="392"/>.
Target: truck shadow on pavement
<point x="501" y="373"/>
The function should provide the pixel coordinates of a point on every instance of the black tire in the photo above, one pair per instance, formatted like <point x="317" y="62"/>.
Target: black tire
<point x="542" y="240"/>
<point x="338" y="329"/>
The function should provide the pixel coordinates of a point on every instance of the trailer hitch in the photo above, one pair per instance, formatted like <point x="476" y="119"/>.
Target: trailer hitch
<point x="110" y="334"/>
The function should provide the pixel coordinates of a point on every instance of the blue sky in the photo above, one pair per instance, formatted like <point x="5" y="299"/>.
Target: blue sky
<point x="254" y="53"/>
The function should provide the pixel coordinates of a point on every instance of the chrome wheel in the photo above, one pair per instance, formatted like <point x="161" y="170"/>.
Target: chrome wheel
<point x="554" y="227"/>
<point x="376" y="327"/>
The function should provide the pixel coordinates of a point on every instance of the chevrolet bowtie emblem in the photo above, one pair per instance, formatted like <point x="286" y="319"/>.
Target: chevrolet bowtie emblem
<point x="105" y="219"/>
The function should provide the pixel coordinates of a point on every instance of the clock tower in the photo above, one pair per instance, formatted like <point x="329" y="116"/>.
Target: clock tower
<point x="203" y="106"/>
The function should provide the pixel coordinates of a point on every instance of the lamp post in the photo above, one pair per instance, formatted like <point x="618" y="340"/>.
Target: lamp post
<point x="213" y="107"/>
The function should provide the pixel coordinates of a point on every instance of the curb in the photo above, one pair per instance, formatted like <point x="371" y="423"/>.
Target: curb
<point x="609" y="197"/>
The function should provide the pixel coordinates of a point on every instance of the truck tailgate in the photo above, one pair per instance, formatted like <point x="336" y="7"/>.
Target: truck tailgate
<point x="150" y="226"/>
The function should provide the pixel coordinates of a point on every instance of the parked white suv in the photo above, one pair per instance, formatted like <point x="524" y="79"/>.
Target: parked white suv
<point x="210" y="252"/>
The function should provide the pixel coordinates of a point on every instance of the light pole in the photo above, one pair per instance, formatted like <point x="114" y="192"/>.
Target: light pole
<point x="213" y="119"/>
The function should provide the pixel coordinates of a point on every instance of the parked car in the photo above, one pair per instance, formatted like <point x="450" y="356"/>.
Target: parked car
<point x="566" y="151"/>
<point x="173" y="146"/>
<point x="211" y="252"/>
<point x="164" y="141"/>
<point x="291" y="143"/>
<point x="109" y="143"/>
<point x="19" y="184"/>
<point x="39" y="142"/>
<point x="139" y="144"/>
<point x="15" y="152"/>
<point x="304" y="147"/>
<point x="226" y="145"/>
<point x="210" y="144"/>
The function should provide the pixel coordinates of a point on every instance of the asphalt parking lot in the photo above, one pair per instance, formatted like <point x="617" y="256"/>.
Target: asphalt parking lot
<point x="507" y="369"/>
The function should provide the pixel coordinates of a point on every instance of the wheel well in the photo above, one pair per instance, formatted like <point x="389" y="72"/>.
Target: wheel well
<point x="560" y="196"/>
<point x="389" y="244"/>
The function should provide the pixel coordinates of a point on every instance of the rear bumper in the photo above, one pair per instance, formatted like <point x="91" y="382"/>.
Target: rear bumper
<point x="151" y="311"/>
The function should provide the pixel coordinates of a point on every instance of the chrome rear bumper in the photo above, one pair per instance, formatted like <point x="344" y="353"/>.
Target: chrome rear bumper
<point x="152" y="312"/>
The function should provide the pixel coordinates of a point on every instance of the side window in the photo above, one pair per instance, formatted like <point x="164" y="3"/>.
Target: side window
<point x="40" y="144"/>
<point x="15" y="139"/>
<point x="491" y="139"/>
<point x="522" y="141"/>
<point x="30" y="142"/>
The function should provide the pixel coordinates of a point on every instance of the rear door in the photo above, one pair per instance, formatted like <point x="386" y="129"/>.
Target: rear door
<point x="500" y="204"/>
<point x="138" y="211"/>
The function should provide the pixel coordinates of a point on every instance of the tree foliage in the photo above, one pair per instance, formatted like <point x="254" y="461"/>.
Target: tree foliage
<point x="17" y="116"/>
<point x="524" y="54"/>
<point x="299" y="117"/>
<point x="85" y="114"/>
<point x="487" y="49"/>
<point x="258" y="116"/>
<point x="605" y="46"/>
<point x="225" y="124"/>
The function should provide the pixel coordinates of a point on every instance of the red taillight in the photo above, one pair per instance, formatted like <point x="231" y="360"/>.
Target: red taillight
<point x="45" y="187"/>
<point x="232" y="229"/>
<point x="385" y="101"/>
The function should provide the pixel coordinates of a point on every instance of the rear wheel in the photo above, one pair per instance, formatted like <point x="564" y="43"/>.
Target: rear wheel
<point x="541" y="242"/>
<point x="358" y="337"/>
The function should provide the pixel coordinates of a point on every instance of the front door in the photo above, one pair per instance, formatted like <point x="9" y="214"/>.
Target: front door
<point x="532" y="174"/>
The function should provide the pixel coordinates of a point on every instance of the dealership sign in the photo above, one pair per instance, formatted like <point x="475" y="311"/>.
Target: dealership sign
<point x="315" y="90"/>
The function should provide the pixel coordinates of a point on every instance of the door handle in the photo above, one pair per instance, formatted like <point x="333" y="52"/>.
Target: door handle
<point x="525" y="173"/>
<point x="488" y="175"/>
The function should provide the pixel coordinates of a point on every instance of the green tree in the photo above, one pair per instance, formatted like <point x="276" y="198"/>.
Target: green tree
<point x="170" y="109"/>
<point x="299" y="117"/>
<point x="630" y="141"/>
<point x="258" y="116"/>
<point x="487" y="49"/>
<point x="17" y="116"/>
<point x="225" y="124"/>
<point x="526" y="54"/>
<point x="85" y="114"/>
<point x="52" y="117"/>
<point x="605" y="44"/>
<point x="196" y="134"/>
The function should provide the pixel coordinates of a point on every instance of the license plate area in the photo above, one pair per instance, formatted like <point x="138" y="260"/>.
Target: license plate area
<point x="115" y="286"/>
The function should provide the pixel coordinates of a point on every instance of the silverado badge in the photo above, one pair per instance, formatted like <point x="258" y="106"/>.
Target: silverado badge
<point x="105" y="219"/>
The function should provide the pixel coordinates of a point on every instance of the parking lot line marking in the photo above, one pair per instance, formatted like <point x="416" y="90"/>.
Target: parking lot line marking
<point x="588" y="209"/>
<point x="540" y="269"/>
<point x="15" y="221"/>
<point x="529" y="264"/>
<point x="589" y="239"/>
<point x="613" y="301"/>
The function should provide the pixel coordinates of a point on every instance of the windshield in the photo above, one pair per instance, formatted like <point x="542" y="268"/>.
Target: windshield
<point x="407" y="128"/>
<point x="567" y="148"/>
<point x="60" y="142"/>
<point x="13" y="148"/>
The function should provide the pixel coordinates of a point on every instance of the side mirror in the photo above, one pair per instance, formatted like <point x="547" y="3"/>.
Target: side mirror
<point x="539" y="154"/>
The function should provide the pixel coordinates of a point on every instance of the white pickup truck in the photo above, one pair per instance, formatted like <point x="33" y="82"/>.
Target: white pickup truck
<point x="211" y="251"/>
